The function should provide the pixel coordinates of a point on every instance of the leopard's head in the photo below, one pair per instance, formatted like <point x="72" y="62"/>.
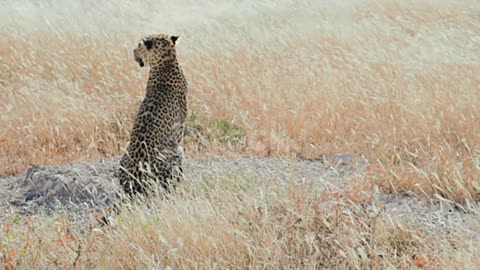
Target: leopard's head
<point x="155" y="50"/>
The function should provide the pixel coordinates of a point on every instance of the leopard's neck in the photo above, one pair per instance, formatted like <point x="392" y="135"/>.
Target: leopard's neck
<point x="168" y="76"/>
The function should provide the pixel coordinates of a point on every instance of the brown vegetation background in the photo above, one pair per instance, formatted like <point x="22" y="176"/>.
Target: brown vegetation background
<point x="396" y="82"/>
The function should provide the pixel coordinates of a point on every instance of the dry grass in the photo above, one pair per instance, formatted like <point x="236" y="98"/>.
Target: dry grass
<point x="398" y="86"/>
<point x="235" y="223"/>
<point x="60" y="106"/>
<point x="395" y="82"/>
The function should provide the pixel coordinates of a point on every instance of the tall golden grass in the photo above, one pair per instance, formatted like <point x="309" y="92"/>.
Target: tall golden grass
<point x="395" y="82"/>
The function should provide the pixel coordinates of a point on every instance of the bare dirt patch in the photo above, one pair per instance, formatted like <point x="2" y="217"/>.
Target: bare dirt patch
<point x="84" y="187"/>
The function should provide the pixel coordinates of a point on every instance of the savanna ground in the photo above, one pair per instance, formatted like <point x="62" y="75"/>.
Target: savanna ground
<point x="393" y="83"/>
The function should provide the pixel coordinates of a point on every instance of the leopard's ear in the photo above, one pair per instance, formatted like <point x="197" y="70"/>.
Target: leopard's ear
<point x="149" y="43"/>
<point x="174" y="39"/>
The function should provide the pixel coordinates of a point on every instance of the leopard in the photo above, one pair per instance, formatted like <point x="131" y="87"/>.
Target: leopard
<point x="154" y="155"/>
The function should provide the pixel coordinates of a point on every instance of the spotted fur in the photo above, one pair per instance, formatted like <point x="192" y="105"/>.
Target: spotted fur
<point x="154" y="153"/>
